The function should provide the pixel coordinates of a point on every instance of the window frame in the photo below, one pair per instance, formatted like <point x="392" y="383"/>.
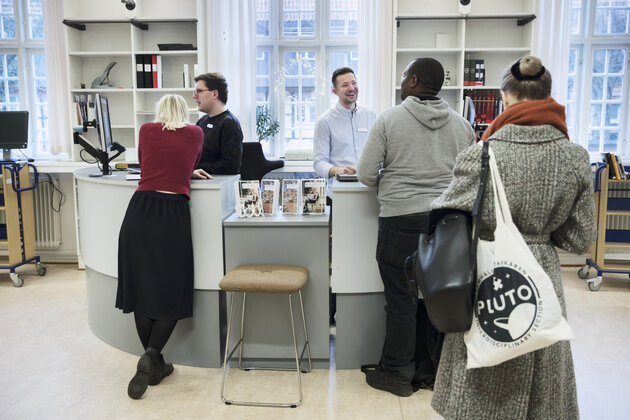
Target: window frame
<point x="323" y="44"/>
<point x="26" y="47"/>
<point x="586" y="41"/>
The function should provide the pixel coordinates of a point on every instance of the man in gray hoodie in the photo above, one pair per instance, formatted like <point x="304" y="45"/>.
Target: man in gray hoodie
<point x="409" y="155"/>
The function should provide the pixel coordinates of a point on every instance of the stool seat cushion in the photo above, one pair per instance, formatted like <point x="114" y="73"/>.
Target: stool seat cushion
<point x="265" y="278"/>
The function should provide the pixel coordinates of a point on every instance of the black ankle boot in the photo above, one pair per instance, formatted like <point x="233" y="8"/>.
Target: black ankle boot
<point x="140" y="381"/>
<point x="160" y="371"/>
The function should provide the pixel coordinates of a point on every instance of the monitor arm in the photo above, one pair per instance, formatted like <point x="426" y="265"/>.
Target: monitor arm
<point x="100" y="156"/>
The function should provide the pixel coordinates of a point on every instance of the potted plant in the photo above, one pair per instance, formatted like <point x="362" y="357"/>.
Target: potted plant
<point x="266" y="125"/>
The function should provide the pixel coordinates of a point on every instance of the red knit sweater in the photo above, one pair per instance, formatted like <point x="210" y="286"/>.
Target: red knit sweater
<point x="168" y="157"/>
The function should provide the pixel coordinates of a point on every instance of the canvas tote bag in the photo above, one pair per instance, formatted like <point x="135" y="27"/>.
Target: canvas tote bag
<point x="516" y="308"/>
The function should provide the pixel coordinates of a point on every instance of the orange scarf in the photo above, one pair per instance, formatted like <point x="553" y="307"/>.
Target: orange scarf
<point x="539" y="112"/>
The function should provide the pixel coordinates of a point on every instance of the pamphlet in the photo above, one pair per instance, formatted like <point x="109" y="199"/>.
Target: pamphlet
<point x="314" y="196"/>
<point x="291" y="196"/>
<point x="248" y="202"/>
<point x="270" y="190"/>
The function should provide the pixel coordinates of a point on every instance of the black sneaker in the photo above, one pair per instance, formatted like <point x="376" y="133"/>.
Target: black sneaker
<point x="379" y="379"/>
<point x="160" y="371"/>
<point x="140" y="381"/>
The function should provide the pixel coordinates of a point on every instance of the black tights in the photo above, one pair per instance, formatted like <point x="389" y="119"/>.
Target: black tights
<point x="152" y="332"/>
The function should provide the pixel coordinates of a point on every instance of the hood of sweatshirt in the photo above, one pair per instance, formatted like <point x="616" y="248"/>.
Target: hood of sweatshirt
<point x="432" y="113"/>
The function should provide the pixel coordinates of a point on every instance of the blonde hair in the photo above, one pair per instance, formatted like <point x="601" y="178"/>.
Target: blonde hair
<point x="172" y="111"/>
<point x="527" y="79"/>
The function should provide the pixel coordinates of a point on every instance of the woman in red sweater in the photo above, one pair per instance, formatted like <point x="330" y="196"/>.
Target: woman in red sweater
<point x="155" y="255"/>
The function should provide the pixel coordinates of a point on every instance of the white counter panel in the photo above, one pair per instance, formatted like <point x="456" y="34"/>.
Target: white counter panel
<point x="102" y="203"/>
<point x="354" y="235"/>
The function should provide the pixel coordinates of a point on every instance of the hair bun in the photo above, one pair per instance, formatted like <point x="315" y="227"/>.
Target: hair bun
<point x="530" y="65"/>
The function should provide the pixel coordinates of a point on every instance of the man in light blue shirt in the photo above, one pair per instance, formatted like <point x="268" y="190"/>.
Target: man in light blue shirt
<point x="341" y="132"/>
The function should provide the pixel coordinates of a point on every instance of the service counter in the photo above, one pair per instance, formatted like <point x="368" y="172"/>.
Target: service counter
<point x="102" y="203"/>
<point x="355" y="277"/>
<point x="282" y="239"/>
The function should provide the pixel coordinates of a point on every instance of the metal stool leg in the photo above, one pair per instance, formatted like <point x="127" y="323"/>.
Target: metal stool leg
<point x="297" y="359"/>
<point x="227" y="349"/>
<point x="240" y="352"/>
<point x="307" y="345"/>
<point x="240" y="344"/>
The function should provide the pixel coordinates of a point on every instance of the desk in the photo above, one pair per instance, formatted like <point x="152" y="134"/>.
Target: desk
<point x="282" y="239"/>
<point x="355" y="276"/>
<point x="102" y="203"/>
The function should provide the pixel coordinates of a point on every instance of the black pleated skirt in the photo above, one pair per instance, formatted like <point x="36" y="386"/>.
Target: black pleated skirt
<point x="155" y="257"/>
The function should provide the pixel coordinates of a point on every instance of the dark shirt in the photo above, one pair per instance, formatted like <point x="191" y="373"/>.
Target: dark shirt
<point x="222" y="144"/>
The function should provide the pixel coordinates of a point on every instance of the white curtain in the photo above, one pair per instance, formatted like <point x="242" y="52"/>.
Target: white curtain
<point x="230" y="33"/>
<point x="376" y="26"/>
<point x="59" y="131"/>
<point x="552" y="43"/>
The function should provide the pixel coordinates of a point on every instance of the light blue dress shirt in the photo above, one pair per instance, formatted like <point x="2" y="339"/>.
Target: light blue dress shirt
<point x="339" y="139"/>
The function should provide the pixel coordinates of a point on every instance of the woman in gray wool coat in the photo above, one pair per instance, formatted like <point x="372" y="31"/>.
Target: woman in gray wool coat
<point x="550" y="193"/>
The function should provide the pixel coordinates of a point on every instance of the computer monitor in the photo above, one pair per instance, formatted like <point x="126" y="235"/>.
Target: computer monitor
<point x="105" y="123"/>
<point x="13" y="132"/>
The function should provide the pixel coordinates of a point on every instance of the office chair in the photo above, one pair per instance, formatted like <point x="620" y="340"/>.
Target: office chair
<point x="254" y="165"/>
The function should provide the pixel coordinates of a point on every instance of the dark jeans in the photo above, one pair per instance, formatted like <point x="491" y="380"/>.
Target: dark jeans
<point x="412" y="345"/>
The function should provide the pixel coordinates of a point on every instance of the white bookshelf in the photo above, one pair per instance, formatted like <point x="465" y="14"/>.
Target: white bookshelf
<point x="99" y="32"/>
<point x="496" y="31"/>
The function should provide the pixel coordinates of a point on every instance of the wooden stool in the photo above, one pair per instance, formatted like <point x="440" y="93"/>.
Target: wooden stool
<point x="265" y="278"/>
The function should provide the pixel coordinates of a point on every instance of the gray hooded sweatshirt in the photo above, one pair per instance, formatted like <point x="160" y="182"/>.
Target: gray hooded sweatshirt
<point x="410" y="153"/>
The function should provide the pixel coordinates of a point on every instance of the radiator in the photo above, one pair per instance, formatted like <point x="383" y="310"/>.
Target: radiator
<point x="47" y="221"/>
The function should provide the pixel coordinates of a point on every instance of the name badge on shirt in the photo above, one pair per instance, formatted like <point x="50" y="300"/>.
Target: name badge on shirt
<point x="362" y="130"/>
<point x="210" y="126"/>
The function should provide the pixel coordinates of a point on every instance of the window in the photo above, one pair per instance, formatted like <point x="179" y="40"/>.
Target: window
<point x="299" y="44"/>
<point x="23" y="67"/>
<point x="599" y="89"/>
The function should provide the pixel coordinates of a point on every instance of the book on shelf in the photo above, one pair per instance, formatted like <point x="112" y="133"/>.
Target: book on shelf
<point x="81" y="106"/>
<point x="248" y="201"/>
<point x="159" y="71"/>
<point x="270" y="191"/>
<point x="186" y="76"/>
<point x="154" y="74"/>
<point x="622" y="170"/>
<point x="607" y="159"/>
<point x="148" y="76"/>
<point x="291" y="196"/>
<point x="314" y="196"/>
<point x="615" y="166"/>
<point x="467" y="72"/>
<point x="139" y="71"/>
<point x="487" y="106"/>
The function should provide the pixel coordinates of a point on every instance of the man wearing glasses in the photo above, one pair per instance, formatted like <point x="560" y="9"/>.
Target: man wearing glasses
<point x="223" y="137"/>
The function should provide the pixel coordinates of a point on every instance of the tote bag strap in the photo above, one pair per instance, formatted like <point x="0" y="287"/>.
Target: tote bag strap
<point x="476" y="210"/>
<point x="501" y="207"/>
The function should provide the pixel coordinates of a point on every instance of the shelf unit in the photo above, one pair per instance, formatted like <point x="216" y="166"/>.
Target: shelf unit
<point x="612" y="199"/>
<point x="99" y="32"/>
<point x="435" y="28"/>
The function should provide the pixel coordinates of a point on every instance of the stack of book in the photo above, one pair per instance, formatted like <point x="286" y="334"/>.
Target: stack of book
<point x="488" y="105"/>
<point x="474" y="72"/>
<point x="616" y="169"/>
<point x="148" y="71"/>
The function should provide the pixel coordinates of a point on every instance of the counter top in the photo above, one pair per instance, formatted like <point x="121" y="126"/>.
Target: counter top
<point x="118" y="178"/>
<point x="346" y="186"/>
<point x="279" y="220"/>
